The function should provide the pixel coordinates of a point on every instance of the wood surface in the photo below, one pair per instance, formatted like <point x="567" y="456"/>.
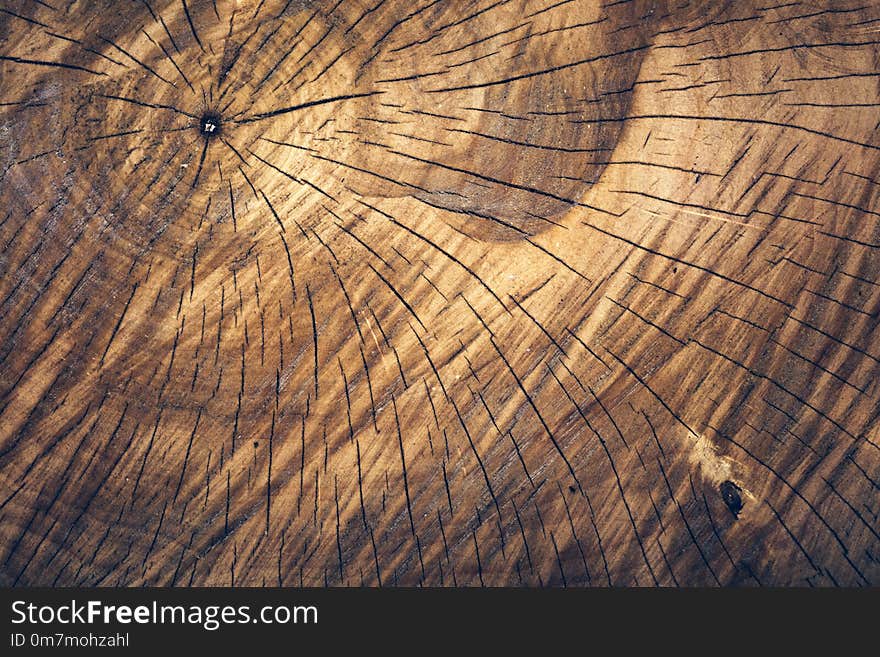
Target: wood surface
<point x="496" y="292"/>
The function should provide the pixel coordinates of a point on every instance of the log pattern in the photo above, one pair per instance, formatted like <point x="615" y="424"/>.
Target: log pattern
<point x="477" y="292"/>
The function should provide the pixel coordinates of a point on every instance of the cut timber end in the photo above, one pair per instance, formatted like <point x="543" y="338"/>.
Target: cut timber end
<point x="524" y="292"/>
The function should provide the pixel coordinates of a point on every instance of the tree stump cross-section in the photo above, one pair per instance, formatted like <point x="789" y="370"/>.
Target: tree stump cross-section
<point x="462" y="293"/>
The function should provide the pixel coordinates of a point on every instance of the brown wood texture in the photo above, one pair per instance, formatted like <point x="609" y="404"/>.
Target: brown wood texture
<point x="468" y="293"/>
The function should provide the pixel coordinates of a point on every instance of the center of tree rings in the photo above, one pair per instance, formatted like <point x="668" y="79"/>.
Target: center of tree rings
<point x="209" y="124"/>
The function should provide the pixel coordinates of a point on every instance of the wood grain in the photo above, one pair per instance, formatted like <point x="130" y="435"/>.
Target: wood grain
<point x="495" y="292"/>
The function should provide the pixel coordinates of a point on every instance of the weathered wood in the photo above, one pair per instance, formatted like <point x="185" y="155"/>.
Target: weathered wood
<point x="473" y="293"/>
